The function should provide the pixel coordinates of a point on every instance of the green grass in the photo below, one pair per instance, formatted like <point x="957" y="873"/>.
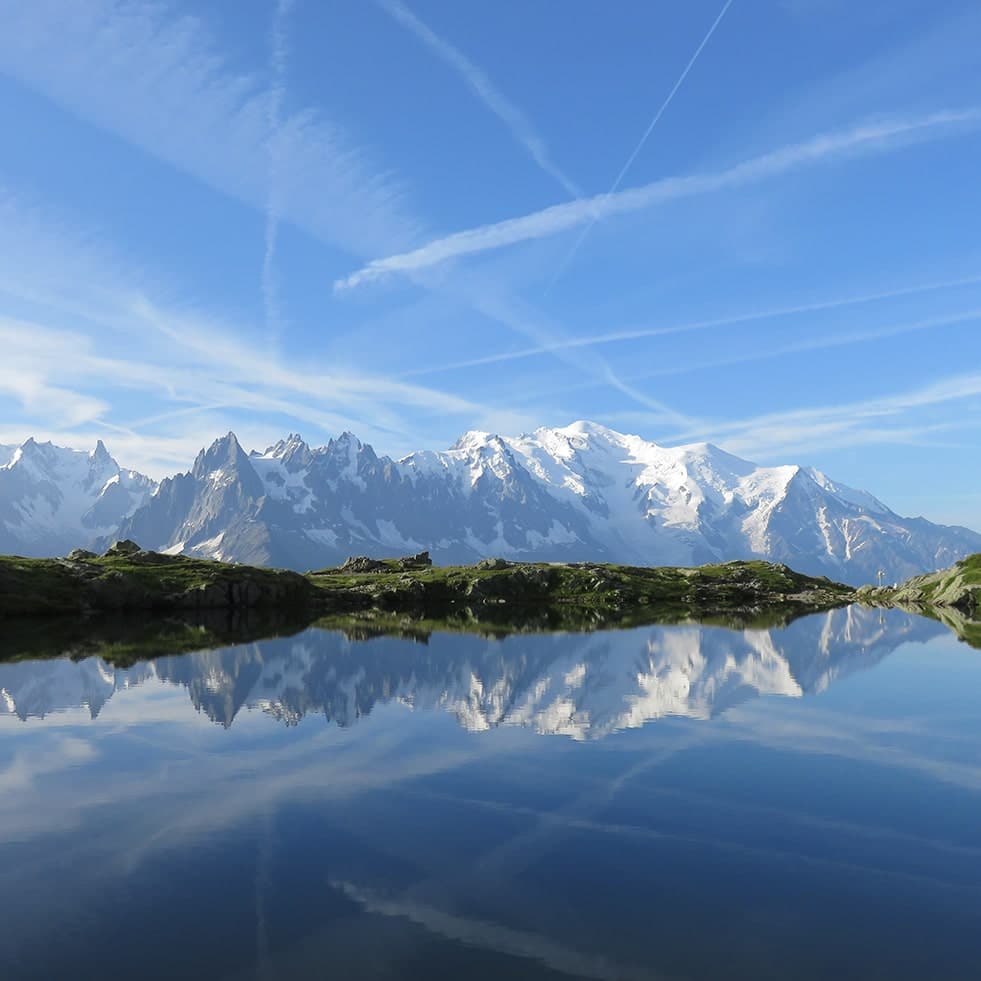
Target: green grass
<point x="143" y="581"/>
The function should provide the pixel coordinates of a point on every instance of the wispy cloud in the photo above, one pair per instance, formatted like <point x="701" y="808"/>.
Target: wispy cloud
<point x="876" y="137"/>
<point x="160" y="81"/>
<point x="213" y="376"/>
<point x="493" y="936"/>
<point x="171" y="375"/>
<point x="577" y="245"/>
<point x="520" y="127"/>
<point x="841" y="424"/>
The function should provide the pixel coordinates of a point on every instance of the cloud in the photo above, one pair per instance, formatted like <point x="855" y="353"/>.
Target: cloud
<point x="494" y="100"/>
<point x="160" y="82"/>
<point x="877" y="137"/>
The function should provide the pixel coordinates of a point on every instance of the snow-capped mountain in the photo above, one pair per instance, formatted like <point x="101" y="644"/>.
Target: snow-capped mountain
<point x="578" y="685"/>
<point x="583" y="492"/>
<point x="54" y="499"/>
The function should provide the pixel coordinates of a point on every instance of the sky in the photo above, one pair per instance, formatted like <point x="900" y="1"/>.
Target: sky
<point x="754" y="223"/>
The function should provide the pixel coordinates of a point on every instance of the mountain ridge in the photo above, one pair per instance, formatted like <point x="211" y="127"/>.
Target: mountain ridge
<point x="582" y="492"/>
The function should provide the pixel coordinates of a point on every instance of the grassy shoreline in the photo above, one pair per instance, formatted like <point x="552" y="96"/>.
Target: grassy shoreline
<point x="131" y="603"/>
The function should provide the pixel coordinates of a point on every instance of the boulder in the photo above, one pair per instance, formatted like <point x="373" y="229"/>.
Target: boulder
<point x="493" y="564"/>
<point x="124" y="547"/>
<point x="420" y="560"/>
<point x="361" y="563"/>
<point x="80" y="555"/>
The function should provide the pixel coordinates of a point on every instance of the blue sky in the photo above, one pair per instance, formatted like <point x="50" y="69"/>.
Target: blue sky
<point x="755" y="224"/>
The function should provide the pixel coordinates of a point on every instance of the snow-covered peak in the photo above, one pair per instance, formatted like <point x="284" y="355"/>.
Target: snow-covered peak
<point x="47" y="462"/>
<point x="53" y="498"/>
<point x="848" y="495"/>
<point x="476" y="441"/>
<point x="584" y="429"/>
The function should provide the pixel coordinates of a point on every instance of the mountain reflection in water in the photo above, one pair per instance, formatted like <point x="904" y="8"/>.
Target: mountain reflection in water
<point x="580" y="685"/>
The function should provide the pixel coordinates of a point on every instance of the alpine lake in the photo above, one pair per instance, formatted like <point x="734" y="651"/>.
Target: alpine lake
<point x="679" y="801"/>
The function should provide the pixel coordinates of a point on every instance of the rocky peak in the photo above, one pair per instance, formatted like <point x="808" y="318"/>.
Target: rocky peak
<point x="225" y="453"/>
<point x="100" y="455"/>
<point x="293" y="452"/>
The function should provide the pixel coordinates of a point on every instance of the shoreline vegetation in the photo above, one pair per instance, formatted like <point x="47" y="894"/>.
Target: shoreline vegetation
<point x="130" y="603"/>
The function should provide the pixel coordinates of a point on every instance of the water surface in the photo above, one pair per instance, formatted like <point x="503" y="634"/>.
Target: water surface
<point x="666" y="802"/>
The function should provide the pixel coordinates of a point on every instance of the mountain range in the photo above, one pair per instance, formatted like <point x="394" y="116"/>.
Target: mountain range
<point x="580" y="685"/>
<point x="582" y="492"/>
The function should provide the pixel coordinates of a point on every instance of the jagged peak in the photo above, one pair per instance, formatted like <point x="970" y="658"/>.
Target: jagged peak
<point x="347" y="438"/>
<point x="224" y="450"/>
<point x="294" y="443"/>
<point x="102" y="457"/>
<point x="32" y="449"/>
<point x="480" y="441"/>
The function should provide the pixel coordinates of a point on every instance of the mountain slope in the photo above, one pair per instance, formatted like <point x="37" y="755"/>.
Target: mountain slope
<point x="53" y="499"/>
<point x="583" y="492"/>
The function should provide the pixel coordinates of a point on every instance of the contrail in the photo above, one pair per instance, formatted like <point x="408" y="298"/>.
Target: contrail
<point x="733" y="320"/>
<point x="495" y="101"/>
<point x="874" y="137"/>
<point x="640" y="145"/>
<point x="278" y="54"/>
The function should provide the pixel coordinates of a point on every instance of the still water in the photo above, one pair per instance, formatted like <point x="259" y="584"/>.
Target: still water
<point x="659" y="803"/>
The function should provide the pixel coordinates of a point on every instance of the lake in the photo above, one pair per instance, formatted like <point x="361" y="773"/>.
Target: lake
<point x="667" y="802"/>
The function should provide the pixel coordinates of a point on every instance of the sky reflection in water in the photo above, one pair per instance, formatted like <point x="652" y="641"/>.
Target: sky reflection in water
<point x="666" y="802"/>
